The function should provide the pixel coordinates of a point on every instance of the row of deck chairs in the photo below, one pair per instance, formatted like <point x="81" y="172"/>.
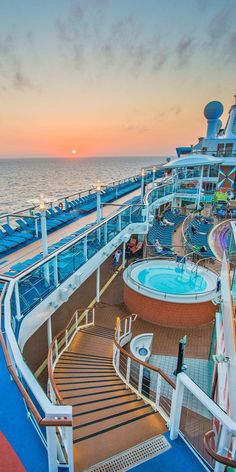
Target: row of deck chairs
<point x="197" y="235"/>
<point x="164" y="234"/>
<point x="88" y="203"/>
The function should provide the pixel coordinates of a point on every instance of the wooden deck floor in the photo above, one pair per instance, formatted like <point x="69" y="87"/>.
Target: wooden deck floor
<point x="107" y="417"/>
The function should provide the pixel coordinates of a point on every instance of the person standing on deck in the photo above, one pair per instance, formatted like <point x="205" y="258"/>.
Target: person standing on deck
<point x="116" y="258"/>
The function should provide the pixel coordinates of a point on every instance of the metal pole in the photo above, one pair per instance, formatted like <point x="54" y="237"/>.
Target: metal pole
<point x="123" y="255"/>
<point x="49" y="330"/>
<point x="98" y="205"/>
<point x="142" y="185"/>
<point x="98" y="285"/>
<point x="44" y="232"/>
<point x="200" y="189"/>
<point x="180" y="360"/>
<point x="153" y="175"/>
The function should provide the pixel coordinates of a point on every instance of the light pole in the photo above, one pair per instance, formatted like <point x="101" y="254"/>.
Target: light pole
<point x="98" y="189"/>
<point x="199" y="189"/>
<point x="142" y="184"/>
<point x="43" y="208"/>
<point x="153" y="175"/>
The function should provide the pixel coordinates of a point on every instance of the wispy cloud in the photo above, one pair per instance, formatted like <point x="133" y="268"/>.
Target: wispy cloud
<point x="13" y="74"/>
<point x="218" y="26"/>
<point x="122" y="44"/>
<point x="184" y="51"/>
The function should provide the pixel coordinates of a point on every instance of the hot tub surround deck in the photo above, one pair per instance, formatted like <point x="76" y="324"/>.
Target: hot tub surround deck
<point x="169" y="309"/>
<point x="168" y="314"/>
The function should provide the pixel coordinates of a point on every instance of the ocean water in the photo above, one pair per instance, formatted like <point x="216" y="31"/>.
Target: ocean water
<point x="23" y="180"/>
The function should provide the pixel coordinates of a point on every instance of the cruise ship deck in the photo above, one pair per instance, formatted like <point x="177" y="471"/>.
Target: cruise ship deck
<point x="118" y="325"/>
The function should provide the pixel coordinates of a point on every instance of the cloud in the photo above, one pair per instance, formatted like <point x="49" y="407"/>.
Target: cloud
<point x="122" y="44"/>
<point x="13" y="74"/>
<point x="218" y="25"/>
<point x="184" y="51"/>
<point x="19" y="79"/>
<point x="230" y="50"/>
<point x="176" y="110"/>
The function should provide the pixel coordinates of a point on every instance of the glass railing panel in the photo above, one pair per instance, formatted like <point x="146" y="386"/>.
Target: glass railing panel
<point x="112" y="227"/>
<point x="78" y="254"/>
<point x="96" y="240"/>
<point x="36" y="286"/>
<point x="125" y="218"/>
<point x="137" y="214"/>
<point x="65" y="261"/>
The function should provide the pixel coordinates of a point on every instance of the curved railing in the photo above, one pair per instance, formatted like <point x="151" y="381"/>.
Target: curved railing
<point x="61" y="342"/>
<point x="185" y="225"/>
<point x="159" y="191"/>
<point x="58" y="422"/>
<point x="166" y="295"/>
<point x="147" y="381"/>
<point x="217" y="457"/>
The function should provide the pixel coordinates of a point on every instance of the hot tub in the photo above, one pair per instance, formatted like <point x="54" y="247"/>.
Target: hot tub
<point x="170" y="293"/>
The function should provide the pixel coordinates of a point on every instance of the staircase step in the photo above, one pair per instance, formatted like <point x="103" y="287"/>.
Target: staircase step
<point x="87" y="432"/>
<point x="105" y="411"/>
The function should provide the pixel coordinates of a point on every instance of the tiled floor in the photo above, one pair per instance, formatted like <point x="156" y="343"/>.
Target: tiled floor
<point x="199" y="370"/>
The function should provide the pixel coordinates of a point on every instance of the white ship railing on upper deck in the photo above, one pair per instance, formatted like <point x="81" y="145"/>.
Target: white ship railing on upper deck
<point x="149" y="175"/>
<point x="52" y="422"/>
<point x="36" y="282"/>
<point x="212" y="152"/>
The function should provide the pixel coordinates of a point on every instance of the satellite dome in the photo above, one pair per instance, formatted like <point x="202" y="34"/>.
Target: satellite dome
<point x="213" y="110"/>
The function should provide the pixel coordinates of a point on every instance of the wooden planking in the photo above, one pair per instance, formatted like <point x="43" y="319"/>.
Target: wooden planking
<point x="107" y="417"/>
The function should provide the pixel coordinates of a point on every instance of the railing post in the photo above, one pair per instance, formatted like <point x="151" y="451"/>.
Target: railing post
<point x="98" y="285"/>
<point x="222" y="448"/>
<point x="117" y="358"/>
<point x="176" y="408"/>
<point x="123" y="255"/>
<point x="158" y="391"/>
<point x="125" y="329"/>
<point x="36" y="228"/>
<point x="105" y="233"/>
<point x="52" y="448"/>
<point x="128" y="369"/>
<point x="76" y="319"/>
<point x="56" y="270"/>
<point x="140" y="378"/>
<point x="86" y="317"/>
<point x="17" y="300"/>
<point x="69" y="447"/>
<point x="56" y="348"/>
<point x="93" y="314"/>
<point x="49" y="330"/>
<point x="86" y="248"/>
<point x="66" y="337"/>
<point x="119" y="222"/>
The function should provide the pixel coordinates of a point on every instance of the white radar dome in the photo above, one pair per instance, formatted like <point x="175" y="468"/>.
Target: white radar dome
<point x="213" y="110"/>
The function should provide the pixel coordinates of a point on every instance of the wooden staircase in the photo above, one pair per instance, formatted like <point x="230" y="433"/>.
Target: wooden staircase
<point x="108" y="418"/>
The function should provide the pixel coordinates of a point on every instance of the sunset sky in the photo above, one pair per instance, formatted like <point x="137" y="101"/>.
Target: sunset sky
<point x="112" y="77"/>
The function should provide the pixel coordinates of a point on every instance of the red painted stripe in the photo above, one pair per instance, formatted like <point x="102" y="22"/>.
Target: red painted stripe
<point x="9" y="461"/>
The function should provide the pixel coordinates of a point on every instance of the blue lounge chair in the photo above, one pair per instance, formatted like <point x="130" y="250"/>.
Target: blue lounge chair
<point x="7" y="241"/>
<point x="11" y="232"/>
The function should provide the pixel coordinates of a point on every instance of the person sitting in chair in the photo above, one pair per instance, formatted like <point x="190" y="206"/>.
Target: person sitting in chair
<point x="167" y="222"/>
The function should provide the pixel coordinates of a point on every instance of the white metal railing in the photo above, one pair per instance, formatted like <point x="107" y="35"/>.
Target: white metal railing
<point x="61" y="342"/>
<point x="156" y="388"/>
<point x="145" y="380"/>
<point x="51" y="412"/>
<point x="227" y="426"/>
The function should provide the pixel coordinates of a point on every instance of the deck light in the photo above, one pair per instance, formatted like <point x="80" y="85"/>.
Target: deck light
<point x="98" y="189"/>
<point x="142" y="184"/>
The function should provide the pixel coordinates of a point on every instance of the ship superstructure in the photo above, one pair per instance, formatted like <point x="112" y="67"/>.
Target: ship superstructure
<point x="83" y="396"/>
